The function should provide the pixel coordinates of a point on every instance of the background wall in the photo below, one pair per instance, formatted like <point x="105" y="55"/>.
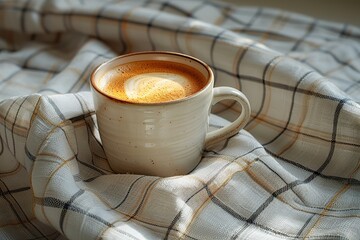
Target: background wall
<point x="346" y="11"/>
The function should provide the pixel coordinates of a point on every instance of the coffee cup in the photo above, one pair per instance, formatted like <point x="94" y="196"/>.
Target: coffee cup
<point x="153" y="108"/>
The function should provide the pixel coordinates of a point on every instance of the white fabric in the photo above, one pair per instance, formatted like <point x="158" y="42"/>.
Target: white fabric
<point x="293" y="173"/>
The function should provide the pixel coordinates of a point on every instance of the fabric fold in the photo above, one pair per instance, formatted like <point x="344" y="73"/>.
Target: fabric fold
<point x="292" y="173"/>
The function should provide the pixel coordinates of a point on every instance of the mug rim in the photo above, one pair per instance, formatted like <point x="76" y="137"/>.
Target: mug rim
<point x="210" y="78"/>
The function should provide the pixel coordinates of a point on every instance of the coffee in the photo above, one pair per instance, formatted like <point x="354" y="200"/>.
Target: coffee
<point x="151" y="81"/>
<point x="166" y="138"/>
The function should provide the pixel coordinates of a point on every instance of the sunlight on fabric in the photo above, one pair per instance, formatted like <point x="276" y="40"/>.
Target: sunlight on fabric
<point x="128" y="230"/>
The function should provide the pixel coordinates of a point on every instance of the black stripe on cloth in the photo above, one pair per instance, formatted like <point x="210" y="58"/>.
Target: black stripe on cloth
<point x="307" y="205"/>
<point x="54" y="72"/>
<point x="223" y="206"/>
<point x="35" y="53"/>
<point x="49" y="90"/>
<point x="56" y="47"/>
<point x="175" y="8"/>
<point x="29" y="154"/>
<point x="328" y="237"/>
<point x="83" y="116"/>
<point x="66" y="17"/>
<point x="22" y="189"/>
<point x="213" y="44"/>
<point x="226" y="143"/>
<point x="48" y="71"/>
<point x="290" y="111"/>
<point x="149" y="26"/>
<point x="79" y="178"/>
<point x="278" y="175"/>
<point x="341" y="63"/>
<point x="5" y="120"/>
<point x="14" y="122"/>
<point x="55" y="107"/>
<point x="233" y="213"/>
<point x="98" y="18"/>
<point x="84" y="76"/>
<point x="311" y="28"/>
<point x="237" y="216"/>
<point x="355" y="84"/>
<point x="43" y="23"/>
<point x="56" y="203"/>
<point x="120" y="20"/>
<point x="299" y="21"/>
<point x="128" y="192"/>
<point x="44" y="48"/>
<point x="90" y="179"/>
<point x="18" y="211"/>
<point x="343" y="30"/>
<point x="348" y="32"/>
<point x="239" y="61"/>
<point x="351" y="181"/>
<point x="193" y="11"/>
<point x="241" y="218"/>
<point x="24" y="11"/>
<point x="338" y="79"/>
<point x="143" y="198"/>
<point x="215" y="125"/>
<point x="268" y="32"/>
<point x="86" y="114"/>
<point x="8" y="78"/>
<point x="225" y="9"/>
<point x="283" y="86"/>
<point x="237" y="234"/>
<point x="176" y="218"/>
<point x="178" y="215"/>
<point x="265" y="83"/>
<point x="289" y="186"/>
<point x="305" y="225"/>
<point x="334" y="133"/>
<point x="254" y="17"/>
<point x="60" y="114"/>
<point x="178" y="31"/>
<point x="66" y="206"/>
<point x="309" y="135"/>
<point x="121" y="36"/>
<point x="27" y="9"/>
<point x="53" y="235"/>
<point x="90" y="166"/>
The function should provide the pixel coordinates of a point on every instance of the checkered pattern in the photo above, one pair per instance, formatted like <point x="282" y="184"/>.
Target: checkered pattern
<point x="293" y="173"/>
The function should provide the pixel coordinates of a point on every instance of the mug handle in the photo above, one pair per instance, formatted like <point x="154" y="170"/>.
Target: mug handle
<point x="228" y="93"/>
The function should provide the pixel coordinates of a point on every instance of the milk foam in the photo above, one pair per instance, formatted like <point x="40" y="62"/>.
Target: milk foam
<point x="151" y="81"/>
<point x="156" y="87"/>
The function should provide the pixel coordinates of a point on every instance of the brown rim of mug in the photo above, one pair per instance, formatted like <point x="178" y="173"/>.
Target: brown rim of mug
<point x="168" y="53"/>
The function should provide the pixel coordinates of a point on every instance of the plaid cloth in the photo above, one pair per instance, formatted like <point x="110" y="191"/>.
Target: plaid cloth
<point x="293" y="173"/>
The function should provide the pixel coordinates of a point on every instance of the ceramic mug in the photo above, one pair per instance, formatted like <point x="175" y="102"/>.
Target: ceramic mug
<point x="164" y="138"/>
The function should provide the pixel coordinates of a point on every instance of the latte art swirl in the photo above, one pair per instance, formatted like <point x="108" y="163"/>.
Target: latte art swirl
<point x="151" y="81"/>
<point x="156" y="87"/>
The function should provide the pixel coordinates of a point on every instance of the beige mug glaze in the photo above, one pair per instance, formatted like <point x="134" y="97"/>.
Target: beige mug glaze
<point x="162" y="139"/>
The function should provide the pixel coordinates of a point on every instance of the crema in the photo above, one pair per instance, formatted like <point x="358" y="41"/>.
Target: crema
<point x="152" y="81"/>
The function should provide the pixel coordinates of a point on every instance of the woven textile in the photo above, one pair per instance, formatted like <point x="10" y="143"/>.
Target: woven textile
<point x="292" y="173"/>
